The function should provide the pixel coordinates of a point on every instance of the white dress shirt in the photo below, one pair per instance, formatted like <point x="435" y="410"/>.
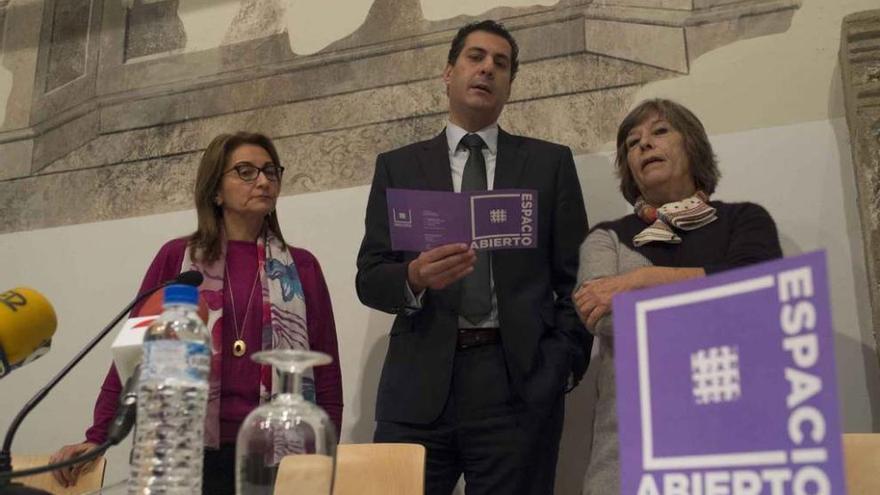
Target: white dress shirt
<point x="458" y="155"/>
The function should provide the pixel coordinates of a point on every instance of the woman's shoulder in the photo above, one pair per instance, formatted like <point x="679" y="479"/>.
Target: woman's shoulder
<point x="172" y="250"/>
<point x="175" y="245"/>
<point x="626" y="226"/>
<point x="302" y="257"/>
<point x="740" y="209"/>
<point x="309" y="270"/>
<point x="166" y="263"/>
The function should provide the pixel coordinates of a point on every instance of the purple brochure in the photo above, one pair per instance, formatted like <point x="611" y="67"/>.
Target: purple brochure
<point x="726" y="384"/>
<point x="487" y="220"/>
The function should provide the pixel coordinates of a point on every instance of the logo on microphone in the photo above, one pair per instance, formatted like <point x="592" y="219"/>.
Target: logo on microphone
<point x="13" y="300"/>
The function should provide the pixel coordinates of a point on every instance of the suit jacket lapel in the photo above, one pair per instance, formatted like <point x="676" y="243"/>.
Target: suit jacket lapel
<point x="510" y="162"/>
<point x="509" y="166"/>
<point x="433" y="158"/>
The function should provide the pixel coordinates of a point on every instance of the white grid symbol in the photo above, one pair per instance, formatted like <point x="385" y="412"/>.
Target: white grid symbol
<point x="715" y="375"/>
<point x="650" y="461"/>
<point x="498" y="215"/>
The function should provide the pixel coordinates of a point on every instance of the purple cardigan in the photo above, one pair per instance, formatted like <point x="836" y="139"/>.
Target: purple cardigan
<point x="321" y="328"/>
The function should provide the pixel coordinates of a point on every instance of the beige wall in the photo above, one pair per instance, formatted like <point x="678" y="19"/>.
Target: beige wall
<point x="772" y="80"/>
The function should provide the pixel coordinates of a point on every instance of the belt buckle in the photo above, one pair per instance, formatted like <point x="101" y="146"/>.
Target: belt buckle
<point x="462" y="332"/>
<point x="473" y="337"/>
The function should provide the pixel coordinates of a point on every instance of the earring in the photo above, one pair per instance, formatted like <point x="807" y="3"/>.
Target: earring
<point x="217" y="201"/>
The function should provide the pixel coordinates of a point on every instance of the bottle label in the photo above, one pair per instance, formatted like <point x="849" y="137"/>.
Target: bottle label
<point x="166" y="358"/>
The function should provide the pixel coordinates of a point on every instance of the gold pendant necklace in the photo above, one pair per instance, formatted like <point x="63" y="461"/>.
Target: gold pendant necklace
<point x="239" y="348"/>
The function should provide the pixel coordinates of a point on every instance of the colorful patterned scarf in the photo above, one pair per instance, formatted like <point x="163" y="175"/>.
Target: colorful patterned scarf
<point x="284" y="319"/>
<point x="688" y="214"/>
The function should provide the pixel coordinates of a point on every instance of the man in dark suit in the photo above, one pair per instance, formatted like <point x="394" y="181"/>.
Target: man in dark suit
<point x="484" y="345"/>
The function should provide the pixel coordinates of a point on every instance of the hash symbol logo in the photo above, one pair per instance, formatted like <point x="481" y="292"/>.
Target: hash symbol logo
<point x="715" y="375"/>
<point x="498" y="215"/>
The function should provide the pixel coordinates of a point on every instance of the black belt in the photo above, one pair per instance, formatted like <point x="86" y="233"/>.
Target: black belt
<point x="474" y="337"/>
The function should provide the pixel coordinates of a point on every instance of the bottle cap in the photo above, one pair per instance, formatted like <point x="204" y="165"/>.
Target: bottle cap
<point x="181" y="294"/>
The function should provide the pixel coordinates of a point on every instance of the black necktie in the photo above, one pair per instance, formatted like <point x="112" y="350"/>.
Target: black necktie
<point x="476" y="291"/>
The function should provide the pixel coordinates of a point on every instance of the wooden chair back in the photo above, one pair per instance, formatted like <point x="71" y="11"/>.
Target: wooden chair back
<point x="361" y="469"/>
<point x="861" y="454"/>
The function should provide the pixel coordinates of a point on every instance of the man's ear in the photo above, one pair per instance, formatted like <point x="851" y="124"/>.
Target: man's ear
<point x="447" y="74"/>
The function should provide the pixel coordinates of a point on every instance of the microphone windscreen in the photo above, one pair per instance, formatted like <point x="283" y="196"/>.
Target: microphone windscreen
<point x="27" y="323"/>
<point x="191" y="277"/>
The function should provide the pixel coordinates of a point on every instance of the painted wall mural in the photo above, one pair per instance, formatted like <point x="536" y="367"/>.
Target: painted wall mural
<point x="860" y="68"/>
<point x="113" y="100"/>
<point x="5" y="74"/>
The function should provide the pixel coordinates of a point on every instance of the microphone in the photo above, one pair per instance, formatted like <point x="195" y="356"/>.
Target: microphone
<point x="191" y="277"/>
<point x="27" y="323"/>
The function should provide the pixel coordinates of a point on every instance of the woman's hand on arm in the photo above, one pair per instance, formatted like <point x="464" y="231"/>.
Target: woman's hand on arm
<point x="67" y="476"/>
<point x="593" y="298"/>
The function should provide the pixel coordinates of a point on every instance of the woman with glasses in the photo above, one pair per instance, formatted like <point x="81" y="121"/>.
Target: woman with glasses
<point x="260" y="293"/>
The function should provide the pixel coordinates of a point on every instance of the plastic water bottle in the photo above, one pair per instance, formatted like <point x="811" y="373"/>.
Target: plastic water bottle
<point x="172" y="395"/>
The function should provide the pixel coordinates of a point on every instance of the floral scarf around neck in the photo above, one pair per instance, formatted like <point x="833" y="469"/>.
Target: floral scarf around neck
<point x="283" y="323"/>
<point x="688" y="214"/>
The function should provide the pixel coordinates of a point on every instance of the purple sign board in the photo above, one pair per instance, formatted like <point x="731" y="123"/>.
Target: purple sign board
<point x="487" y="220"/>
<point x="726" y="384"/>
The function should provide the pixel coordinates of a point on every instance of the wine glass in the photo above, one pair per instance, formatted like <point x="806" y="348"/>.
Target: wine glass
<point x="290" y="440"/>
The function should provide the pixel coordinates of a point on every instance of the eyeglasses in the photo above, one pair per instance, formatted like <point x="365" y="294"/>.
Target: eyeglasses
<point x="249" y="173"/>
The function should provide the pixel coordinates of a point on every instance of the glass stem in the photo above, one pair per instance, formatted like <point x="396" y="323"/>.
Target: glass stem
<point x="291" y="383"/>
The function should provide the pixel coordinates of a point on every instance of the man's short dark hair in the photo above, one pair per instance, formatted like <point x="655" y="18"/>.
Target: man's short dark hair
<point x="488" y="26"/>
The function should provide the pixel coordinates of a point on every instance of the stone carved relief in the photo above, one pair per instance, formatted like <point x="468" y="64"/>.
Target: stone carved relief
<point x="153" y="28"/>
<point x="134" y="119"/>
<point x="860" y="69"/>
<point x="3" y="5"/>
<point x="68" y="42"/>
<point x="5" y="74"/>
<point x="255" y="19"/>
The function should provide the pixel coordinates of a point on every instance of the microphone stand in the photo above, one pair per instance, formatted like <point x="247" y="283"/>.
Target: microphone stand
<point x="117" y="431"/>
<point x="188" y="278"/>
